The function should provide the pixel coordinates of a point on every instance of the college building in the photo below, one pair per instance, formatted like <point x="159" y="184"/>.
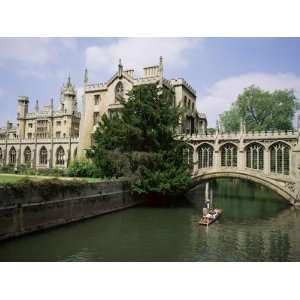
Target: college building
<point x="49" y="138"/>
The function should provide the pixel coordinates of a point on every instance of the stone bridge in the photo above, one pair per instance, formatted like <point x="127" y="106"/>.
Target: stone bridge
<point x="271" y="159"/>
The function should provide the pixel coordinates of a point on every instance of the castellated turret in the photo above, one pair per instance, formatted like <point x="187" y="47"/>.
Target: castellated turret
<point x="68" y="100"/>
<point x="23" y="102"/>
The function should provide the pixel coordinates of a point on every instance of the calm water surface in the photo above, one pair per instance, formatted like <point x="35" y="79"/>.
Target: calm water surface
<point x="256" y="226"/>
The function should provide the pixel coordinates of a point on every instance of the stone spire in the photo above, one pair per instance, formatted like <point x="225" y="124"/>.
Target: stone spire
<point x="161" y="67"/>
<point x="120" y="68"/>
<point x="242" y="125"/>
<point x="86" y="77"/>
<point x="217" y="126"/>
<point x="37" y="106"/>
<point x="69" y="81"/>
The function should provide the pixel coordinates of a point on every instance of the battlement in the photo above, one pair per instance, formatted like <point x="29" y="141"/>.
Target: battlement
<point x="278" y="134"/>
<point x="182" y="81"/>
<point x="151" y="71"/>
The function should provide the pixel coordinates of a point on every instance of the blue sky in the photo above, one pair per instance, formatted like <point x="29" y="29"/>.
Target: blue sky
<point x="218" y="68"/>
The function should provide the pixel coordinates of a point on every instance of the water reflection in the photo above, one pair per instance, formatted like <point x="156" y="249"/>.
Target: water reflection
<point x="256" y="225"/>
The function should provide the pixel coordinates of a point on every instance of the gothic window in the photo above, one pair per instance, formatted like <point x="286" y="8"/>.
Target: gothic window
<point x="189" y="103"/>
<point x="27" y="155"/>
<point x="188" y="156"/>
<point x="280" y="158"/>
<point x="185" y="101"/>
<point x="12" y="155"/>
<point x="43" y="156"/>
<point x="75" y="153"/>
<point x="255" y="156"/>
<point x="229" y="155"/>
<point x="205" y="156"/>
<point x="96" y="99"/>
<point x="96" y="117"/>
<point x="119" y="91"/>
<point x="1" y="156"/>
<point x="60" y="156"/>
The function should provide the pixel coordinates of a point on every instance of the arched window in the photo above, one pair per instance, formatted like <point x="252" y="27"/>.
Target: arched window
<point x="96" y="99"/>
<point x="60" y="156"/>
<point x="280" y="158"/>
<point x="75" y="153"/>
<point x="12" y="155"/>
<point x="185" y="101"/>
<point x="1" y="155"/>
<point x="119" y="91"/>
<point x="255" y="156"/>
<point x="43" y="156"/>
<point x="27" y="155"/>
<point x="189" y="103"/>
<point x="229" y="155"/>
<point x="205" y="156"/>
<point x="188" y="155"/>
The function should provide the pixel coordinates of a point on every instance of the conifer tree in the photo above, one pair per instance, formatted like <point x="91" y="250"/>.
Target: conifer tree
<point x="139" y="143"/>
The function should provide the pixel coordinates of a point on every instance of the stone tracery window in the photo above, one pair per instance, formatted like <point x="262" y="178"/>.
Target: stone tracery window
<point x="27" y="155"/>
<point x="229" y="155"/>
<point x="60" y="156"/>
<point x="12" y="155"/>
<point x="43" y="156"/>
<point x="255" y="156"/>
<point x="119" y="91"/>
<point x="280" y="158"/>
<point x="205" y="156"/>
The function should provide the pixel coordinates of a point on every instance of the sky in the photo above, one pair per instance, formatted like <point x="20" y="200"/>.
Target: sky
<point x="217" y="68"/>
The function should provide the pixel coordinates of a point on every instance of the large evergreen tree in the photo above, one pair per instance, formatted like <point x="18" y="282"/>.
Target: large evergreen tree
<point x="138" y="142"/>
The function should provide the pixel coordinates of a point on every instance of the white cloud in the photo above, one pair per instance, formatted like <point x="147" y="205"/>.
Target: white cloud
<point x="137" y="53"/>
<point x="223" y="93"/>
<point x="29" y="56"/>
<point x="33" y="50"/>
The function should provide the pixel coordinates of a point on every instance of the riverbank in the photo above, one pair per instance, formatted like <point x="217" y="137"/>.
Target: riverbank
<point x="28" y="206"/>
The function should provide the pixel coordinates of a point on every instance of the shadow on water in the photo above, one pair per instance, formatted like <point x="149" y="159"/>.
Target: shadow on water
<point x="257" y="225"/>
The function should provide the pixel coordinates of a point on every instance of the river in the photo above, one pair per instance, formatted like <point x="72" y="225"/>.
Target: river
<point x="257" y="225"/>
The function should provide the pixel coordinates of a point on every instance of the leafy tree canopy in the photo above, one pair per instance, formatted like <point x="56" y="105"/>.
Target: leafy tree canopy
<point x="261" y="110"/>
<point x="138" y="142"/>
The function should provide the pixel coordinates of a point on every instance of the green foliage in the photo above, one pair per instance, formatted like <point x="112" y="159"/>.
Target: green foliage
<point x="47" y="188"/>
<point x="24" y="169"/>
<point x="261" y="110"/>
<point x="230" y="120"/>
<point x="82" y="168"/>
<point x="139" y="143"/>
<point x="211" y="130"/>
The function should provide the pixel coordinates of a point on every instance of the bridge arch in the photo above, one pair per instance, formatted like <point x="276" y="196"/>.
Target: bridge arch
<point x="270" y="184"/>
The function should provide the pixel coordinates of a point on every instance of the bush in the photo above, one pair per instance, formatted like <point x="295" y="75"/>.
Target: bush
<point x="82" y="168"/>
<point x="7" y="168"/>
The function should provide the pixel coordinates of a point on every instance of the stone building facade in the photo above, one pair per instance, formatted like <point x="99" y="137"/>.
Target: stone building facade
<point x="49" y="138"/>
<point x="100" y="98"/>
<point x="45" y="138"/>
